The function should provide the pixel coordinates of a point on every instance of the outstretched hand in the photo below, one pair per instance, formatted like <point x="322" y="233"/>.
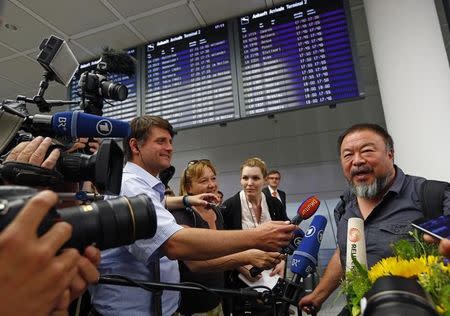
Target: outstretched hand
<point x="274" y="235"/>
<point x="204" y="199"/>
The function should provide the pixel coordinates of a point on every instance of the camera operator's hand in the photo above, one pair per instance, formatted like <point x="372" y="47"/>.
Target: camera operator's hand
<point x="83" y="142"/>
<point x="32" y="276"/>
<point x="34" y="153"/>
<point x="87" y="274"/>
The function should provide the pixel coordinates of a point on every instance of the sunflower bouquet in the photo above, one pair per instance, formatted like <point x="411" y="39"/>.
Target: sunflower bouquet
<point x="413" y="259"/>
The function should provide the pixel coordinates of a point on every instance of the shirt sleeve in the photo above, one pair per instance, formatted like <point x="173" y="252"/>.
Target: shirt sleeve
<point x="144" y="250"/>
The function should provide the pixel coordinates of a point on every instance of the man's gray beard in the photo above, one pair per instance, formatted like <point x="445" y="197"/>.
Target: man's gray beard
<point x="369" y="191"/>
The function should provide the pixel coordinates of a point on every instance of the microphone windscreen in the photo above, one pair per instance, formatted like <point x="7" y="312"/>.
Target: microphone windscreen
<point x="295" y="241"/>
<point x="306" y="209"/>
<point x="304" y="259"/>
<point x="89" y="125"/>
<point x="62" y="123"/>
<point x="356" y="242"/>
<point x="118" y="62"/>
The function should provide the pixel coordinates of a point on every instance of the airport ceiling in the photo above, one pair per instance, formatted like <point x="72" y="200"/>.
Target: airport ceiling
<point x="90" y="25"/>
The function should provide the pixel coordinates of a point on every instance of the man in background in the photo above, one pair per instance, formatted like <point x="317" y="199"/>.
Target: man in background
<point x="273" y="181"/>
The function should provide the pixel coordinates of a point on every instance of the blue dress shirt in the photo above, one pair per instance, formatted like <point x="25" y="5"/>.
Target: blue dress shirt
<point x="136" y="260"/>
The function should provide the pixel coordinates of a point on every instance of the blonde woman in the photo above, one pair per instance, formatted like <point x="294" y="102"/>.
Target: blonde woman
<point x="248" y="209"/>
<point x="200" y="177"/>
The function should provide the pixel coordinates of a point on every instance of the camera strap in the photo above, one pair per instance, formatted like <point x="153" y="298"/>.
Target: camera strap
<point x="27" y="174"/>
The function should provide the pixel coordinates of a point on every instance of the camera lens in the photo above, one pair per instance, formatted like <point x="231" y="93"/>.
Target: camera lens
<point x="104" y="169"/>
<point x="107" y="224"/>
<point x="110" y="223"/>
<point x="114" y="91"/>
<point x="392" y="296"/>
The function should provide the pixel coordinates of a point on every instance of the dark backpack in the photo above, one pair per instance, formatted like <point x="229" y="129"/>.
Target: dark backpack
<point x="432" y="197"/>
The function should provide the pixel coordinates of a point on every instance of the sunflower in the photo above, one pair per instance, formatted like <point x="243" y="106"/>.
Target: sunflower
<point x="413" y="259"/>
<point x="401" y="267"/>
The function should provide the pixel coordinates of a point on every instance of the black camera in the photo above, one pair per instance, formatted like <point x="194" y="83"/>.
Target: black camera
<point x="393" y="296"/>
<point x="107" y="224"/>
<point x="95" y="88"/>
<point x="104" y="169"/>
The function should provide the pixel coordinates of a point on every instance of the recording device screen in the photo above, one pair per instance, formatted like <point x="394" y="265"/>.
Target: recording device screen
<point x="124" y="110"/>
<point x="296" y="55"/>
<point x="438" y="227"/>
<point x="190" y="79"/>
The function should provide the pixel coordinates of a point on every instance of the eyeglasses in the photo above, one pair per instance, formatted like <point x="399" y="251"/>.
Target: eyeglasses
<point x="193" y="162"/>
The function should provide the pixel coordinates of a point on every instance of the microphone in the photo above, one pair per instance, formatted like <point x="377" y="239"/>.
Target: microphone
<point x="304" y="262"/>
<point x="118" y="62"/>
<point x="306" y="209"/>
<point x="304" y="259"/>
<point x="356" y="243"/>
<point x="288" y="250"/>
<point x="294" y="243"/>
<point x="76" y="124"/>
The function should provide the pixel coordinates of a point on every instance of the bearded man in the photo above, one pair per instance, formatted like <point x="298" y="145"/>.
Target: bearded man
<point x="379" y="193"/>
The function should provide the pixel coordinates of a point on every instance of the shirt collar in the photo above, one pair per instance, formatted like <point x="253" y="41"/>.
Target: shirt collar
<point x="398" y="180"/>
<point x="271" y="190"/>
<point x="150" y="179"/>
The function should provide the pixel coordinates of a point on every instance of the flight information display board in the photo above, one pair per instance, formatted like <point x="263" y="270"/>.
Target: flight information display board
<point x="191" y="78"/>
<point x="124" y="110"/>
<point x="295" y="55"/>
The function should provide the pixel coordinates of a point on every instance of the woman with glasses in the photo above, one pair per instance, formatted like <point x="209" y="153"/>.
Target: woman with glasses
<point x="200" y="177"/>
<point x="248" y="209"/>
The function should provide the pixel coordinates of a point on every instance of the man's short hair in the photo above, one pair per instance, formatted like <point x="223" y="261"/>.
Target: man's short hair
<point x="377" y="129"/>
<point x="273" y="171"/>
<point x="140" y="130"/>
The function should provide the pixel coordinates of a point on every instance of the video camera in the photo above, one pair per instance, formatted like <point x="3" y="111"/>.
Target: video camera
<point x="104" y="169"/>
<point x="107" y="224"/>
<point x="61" y="65"/>
<point x="95" y="86"/>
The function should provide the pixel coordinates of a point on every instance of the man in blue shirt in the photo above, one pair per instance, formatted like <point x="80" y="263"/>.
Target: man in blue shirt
<point x="149" y="151"/>
<point x="380" y="193"/>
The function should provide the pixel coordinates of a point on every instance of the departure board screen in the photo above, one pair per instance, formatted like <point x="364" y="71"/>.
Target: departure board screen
<point x="124" y="110"/>
<point x="295" y="55"/>
<point x="191" y="78"/>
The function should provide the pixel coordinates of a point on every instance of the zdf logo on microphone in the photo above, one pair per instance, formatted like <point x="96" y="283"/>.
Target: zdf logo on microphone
<point x="104" y="127"/>
<point x="312" y="230"/>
